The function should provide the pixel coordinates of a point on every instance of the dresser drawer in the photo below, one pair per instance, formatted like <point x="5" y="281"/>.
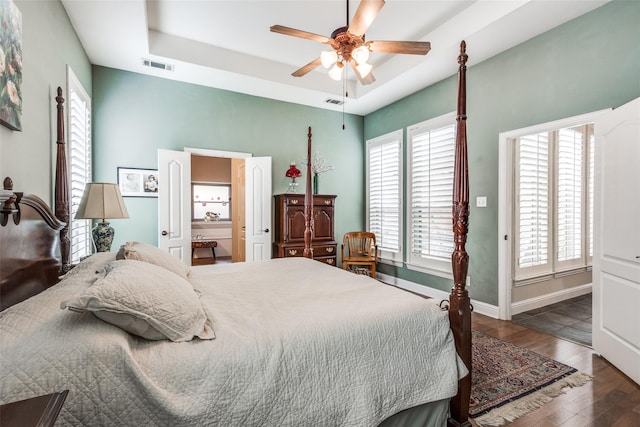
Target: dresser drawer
<point x="293" y="251"/>
<point x="324" y="250"/>
<point x="331" y="260"/>
<point x="323" y="253"/>
<point x="318" y="200"/>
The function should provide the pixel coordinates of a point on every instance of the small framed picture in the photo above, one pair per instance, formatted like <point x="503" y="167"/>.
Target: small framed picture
<point x="135" y="182"/>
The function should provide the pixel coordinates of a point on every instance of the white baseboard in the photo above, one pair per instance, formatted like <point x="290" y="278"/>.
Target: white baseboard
<point x="543" y="300"/>
<point x="478" y="306"/>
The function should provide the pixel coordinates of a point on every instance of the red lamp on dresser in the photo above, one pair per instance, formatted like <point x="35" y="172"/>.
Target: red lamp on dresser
<point x="293" y="172"/>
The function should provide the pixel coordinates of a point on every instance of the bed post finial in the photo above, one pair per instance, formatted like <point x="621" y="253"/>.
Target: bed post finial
<point x="61" y="187"/>
<point x="460" y="304"/>
<point x="308" y="204"/>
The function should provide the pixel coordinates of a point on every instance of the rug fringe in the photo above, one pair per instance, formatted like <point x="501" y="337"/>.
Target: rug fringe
<point x="512" y="411"/>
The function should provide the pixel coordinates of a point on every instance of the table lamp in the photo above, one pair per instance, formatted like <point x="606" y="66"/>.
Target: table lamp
<point x="102" y="200"/>
<point x="293" y="172"/>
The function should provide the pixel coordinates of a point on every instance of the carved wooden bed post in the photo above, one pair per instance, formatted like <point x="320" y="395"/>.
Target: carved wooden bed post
<point x="460" y="305"/>
<point x="61" y="187"/>
<point x="308" y="204"/>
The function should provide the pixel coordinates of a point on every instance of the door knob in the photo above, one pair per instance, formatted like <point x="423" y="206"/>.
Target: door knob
<point x="266" y="230"/>
<point x="165" y="233"/>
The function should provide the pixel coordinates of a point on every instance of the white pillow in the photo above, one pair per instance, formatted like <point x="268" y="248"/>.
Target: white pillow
<point x="140" y="251"/>
<point x="147" y="301"/>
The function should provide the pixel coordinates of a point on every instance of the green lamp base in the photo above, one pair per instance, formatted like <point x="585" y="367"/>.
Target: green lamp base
<point x="103" y="236"/>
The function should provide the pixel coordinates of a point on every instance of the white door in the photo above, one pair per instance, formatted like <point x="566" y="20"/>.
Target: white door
<point x="174" y="203"/>
<point x="258" y="208"/>
<point x="616" y="258"/>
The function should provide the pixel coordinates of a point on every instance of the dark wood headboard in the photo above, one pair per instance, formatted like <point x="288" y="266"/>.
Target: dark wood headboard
<point x="29" y="249"/>
<point x="34" y="242"/>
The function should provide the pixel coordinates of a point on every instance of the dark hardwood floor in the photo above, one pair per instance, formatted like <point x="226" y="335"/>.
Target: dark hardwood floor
<point x="610" y="400"/>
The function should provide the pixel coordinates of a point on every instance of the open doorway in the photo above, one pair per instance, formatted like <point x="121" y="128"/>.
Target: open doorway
<point x="175" y="204"/>
<point x="215" y="197"/>
<point x="546" y="219"/>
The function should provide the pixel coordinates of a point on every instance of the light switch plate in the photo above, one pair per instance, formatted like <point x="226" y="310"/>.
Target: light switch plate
<point x="481" y="201"/>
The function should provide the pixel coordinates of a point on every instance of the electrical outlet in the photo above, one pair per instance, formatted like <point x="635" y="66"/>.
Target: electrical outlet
<point x="468" y="285"/>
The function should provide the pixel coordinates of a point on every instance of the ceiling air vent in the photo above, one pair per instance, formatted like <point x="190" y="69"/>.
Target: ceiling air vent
<point x="159" y="65"/>
<point x="334" y="101"/>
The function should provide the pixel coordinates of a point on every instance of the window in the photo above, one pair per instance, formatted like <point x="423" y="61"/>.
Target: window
<point x="384" y="194"/>
<point x="79" y="155"/>
<point x="211" y="202"/>
<point x="431" y="151"/>
<point x="553" y="184"/>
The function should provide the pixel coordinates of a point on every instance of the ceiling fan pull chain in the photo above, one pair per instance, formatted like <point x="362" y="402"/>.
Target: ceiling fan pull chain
<point x="344" y="89"/>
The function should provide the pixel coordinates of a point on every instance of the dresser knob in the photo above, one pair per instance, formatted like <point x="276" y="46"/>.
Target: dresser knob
<point x="327" y="202"/>
<point x="294" y="201"/>
<point x="293" y="251"/>
<point x="330" y="250"/>
<point x="330" y="261"/>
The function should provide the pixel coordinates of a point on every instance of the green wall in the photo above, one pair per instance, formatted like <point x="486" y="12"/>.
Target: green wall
<point x="49" y="43"/>
<point x="585" y="65"/>
<point x="134" y="115"/>
<point x="588" y="64"/>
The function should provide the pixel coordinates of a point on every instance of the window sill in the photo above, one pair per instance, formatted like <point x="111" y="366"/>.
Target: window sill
<point x="387" y="261"/>
<point x="430" y="270"/>
<point x="524" y="281"/>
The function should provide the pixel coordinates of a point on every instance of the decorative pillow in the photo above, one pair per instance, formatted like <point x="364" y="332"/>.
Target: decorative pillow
<point x="140" y="251"/>
<point x="147" y="301"/>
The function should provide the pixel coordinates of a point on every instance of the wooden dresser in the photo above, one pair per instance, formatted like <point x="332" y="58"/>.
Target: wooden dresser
<point x="289" y="227"/>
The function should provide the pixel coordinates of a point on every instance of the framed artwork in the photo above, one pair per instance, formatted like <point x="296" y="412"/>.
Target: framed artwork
<point x="10" y="65"/>
<point x="134" y="182"/>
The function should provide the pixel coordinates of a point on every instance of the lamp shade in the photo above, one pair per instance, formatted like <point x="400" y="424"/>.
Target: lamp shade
<point x="101" y="200"/>
<point x="293" y="171"/>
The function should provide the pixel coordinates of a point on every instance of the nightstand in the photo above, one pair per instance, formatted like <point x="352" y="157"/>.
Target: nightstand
<point x="41" y="411"/>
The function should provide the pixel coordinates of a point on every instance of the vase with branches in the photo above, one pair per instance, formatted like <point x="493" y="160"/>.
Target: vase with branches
<point x="318" y="165"/>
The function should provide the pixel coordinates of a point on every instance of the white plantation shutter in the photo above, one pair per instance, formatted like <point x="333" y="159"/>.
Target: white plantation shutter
<point x="79" y="154"/>
<point x="532" y="210"/>
<point x="569" y="196"/>
<point x="431" y="162"/>
<point x="553" y="217"/>
<point x="384" y="193"/>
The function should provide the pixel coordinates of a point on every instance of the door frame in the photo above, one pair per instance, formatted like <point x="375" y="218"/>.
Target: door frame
<point x="236" y="155"/>
<point x="505" y="201"/>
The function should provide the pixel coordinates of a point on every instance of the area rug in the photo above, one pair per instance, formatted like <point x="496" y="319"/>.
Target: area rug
<point x="509" y="381"/>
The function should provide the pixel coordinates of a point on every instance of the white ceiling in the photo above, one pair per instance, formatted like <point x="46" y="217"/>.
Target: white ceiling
<point x="228" y="45"/>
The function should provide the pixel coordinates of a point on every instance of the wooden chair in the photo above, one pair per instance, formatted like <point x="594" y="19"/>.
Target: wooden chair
<point x="361" y="255"/>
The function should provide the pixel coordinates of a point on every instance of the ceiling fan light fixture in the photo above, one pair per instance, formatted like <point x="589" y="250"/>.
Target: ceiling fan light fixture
<point x="336" y="72"/>
<point x="328" y="58"/>
<point x="364" y="69"/>
<point x="360" y="54"/>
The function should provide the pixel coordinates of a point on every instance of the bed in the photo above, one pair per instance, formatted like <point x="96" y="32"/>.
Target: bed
<point x="140" y="338"/>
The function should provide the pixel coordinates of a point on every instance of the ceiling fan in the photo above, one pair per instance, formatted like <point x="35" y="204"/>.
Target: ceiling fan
<point x="349" y="45"/>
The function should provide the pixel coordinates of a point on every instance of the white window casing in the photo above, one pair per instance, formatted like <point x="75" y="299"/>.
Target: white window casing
<point x="384" y="194"/>
<point x="79" y="164"/>
<point x="430" y="164"/>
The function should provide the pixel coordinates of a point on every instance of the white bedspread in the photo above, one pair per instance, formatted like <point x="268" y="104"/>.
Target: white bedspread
<point x="298" y="343"/>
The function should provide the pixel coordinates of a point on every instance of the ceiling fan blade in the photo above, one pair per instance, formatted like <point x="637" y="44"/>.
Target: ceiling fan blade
<point x="365" y="14"/>
<point x="299" y="33"/>
<point x="364" y="80"/>
<point x="305" y="69"/>
<point x="411" y="48"/>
